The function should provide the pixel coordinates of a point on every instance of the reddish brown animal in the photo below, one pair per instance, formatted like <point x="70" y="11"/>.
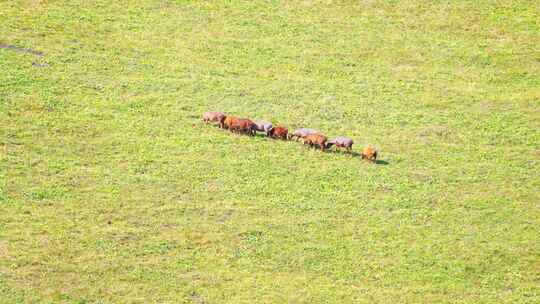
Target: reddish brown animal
<point x="369" y="153"/>
<point x="243" y="126"/>
<point x="279" y="132"/>
<point x="316" y="140"/>
<point x="213" y="116"/>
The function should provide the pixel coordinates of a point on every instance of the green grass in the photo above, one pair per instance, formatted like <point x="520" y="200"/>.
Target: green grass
<point x="113" y="190"/>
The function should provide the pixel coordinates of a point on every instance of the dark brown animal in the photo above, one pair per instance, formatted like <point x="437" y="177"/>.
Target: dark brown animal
<point x="279" y="132"/>
<point x="316" y="140"/>
<point x="244" y="126"/>
<point x="213" y="116"/>
<point x="369" y="153"/>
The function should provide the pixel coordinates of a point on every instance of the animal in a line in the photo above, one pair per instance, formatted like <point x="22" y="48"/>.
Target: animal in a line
<point x="341" y="142"/>
<point x="213" y="116"/>
<point x="369" y="153"/>
<point x="302" y="133"/>
<point x="243" y="126"/>
<point x="263" y="126"/>
<point x="316" y="140"/>
<point x="279" y="132"/>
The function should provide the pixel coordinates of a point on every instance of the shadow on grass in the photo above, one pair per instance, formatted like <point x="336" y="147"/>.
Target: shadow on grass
<point x="354" y="154"/>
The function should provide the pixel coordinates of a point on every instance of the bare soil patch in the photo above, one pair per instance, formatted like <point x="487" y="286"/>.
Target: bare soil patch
<point x="20" y="49"/>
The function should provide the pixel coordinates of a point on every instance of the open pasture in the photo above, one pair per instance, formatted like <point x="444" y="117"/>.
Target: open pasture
<point x="113" y="190"/>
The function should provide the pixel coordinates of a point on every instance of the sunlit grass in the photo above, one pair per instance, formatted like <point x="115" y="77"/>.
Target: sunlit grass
<point x="113" y="190"/>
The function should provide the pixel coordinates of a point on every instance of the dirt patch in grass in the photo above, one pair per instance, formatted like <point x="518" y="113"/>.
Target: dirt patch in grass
<point x="20" y="49"/>
<point x="3" y="250"/>
<point x="40" y="65"/>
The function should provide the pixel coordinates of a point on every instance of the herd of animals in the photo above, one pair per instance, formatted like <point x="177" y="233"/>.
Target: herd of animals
<point x="310" y="137"/>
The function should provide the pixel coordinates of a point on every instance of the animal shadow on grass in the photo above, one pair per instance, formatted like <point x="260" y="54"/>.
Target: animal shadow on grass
<point x="355" y="154"/>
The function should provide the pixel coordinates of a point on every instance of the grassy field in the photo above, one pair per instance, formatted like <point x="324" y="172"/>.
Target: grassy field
<point x="112" y="190"/>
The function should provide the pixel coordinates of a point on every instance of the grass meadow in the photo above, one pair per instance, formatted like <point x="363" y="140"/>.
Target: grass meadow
<point x="112" y="190"/>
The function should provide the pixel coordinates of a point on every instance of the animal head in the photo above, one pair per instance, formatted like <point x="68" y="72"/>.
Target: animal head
<point x="222" y="121"/>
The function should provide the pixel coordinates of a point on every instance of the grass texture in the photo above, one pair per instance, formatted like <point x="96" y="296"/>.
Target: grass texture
<point x="112" y="190"/>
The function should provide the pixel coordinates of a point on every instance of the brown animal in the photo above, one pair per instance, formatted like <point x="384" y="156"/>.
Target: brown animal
<point x="316" y="140"/>
<point x="369" y="153"/>
<point x="279" y="132"/>
<point x="227" y="121"/>
<point x="213" y="116"/>
<point x="302" y="133"/>
<point x="245" y="126"/>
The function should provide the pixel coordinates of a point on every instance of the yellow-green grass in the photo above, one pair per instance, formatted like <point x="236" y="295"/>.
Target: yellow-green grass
<point x="113" y="190"/>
